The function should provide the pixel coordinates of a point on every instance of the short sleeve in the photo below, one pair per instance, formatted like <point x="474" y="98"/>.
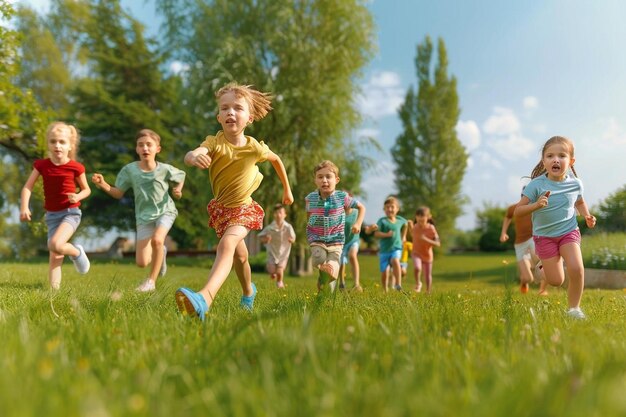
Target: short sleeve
<point x="123" y="181"/>
<point x="209" y="143"/>
<point x="531" y="191"/>
<point x="175" y="175"/>
<point x="263" y="151"/>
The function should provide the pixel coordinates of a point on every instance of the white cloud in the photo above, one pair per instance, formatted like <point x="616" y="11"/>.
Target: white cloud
<point x="515" y="185"/>
<point x="382" y="95"/>
<point x="614" y="133"/>
<point x="503" y="121"/>
<point x="530" y="102"/>
<point x="469" y="134"/>
<point x="487" y="160"/>
<point x="512" y="147"/>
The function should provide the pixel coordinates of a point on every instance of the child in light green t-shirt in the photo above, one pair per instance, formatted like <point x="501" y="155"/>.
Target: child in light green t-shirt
<point x="155" y="210"/>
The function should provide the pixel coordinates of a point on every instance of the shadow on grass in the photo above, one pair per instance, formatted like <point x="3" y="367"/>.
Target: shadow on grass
<point x="22" y="285"/>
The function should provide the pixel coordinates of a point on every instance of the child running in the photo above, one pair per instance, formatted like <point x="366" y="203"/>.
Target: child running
<point x="553" y="196"/>
<point x="61" y="174"/>
<point x="278" y="237"/>
<point x="424" y="236"/>
<point x="350" y="253"/>
<point x="391" y="230"/>
<point x="524" y="245"/>
<point x="326" y="210"/>
<point x="231" y="158"/>
<point x="155" y="210"/>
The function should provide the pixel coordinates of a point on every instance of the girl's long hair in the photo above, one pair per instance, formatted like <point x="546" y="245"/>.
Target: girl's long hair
<point x="539" y="168"/>
<point x="260" y="103"/>
<point x="424" y="212"/>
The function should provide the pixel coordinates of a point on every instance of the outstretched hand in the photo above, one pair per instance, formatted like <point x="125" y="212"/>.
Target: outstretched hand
<point x="201" y="161"/>
<point x="287" y="197"/>
<point x="591" y="221"/>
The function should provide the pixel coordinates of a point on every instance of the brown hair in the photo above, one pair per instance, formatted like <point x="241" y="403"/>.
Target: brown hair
<point x="539" y="168"/>
<point x="327" y="164"/>
<point x="55" y="128"/>
<point x="424" y="212"/>
<point x="260" y="103"/>
<point x="391" y="199"/>
<point x="279" y="207"/>
<point x="149" y="133"/>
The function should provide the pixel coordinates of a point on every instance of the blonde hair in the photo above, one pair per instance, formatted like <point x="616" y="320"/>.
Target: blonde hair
<point x="327" y="164"/>
<point x="260" y="103"/>
<point x="56" y="128"/>
<point x="561" y="140"/>
<point x="149" y="133"/>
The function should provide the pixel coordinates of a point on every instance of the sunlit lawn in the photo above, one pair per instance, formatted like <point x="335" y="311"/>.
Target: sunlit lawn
<point x="475" y="347"/>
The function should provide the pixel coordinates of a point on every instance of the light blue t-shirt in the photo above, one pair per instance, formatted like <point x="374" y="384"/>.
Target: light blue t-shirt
<point x="559" y="216"/>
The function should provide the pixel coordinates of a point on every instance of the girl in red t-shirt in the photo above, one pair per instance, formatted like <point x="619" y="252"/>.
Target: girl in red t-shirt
<point x="61" y="174"/>
<point x="424" y="238"/>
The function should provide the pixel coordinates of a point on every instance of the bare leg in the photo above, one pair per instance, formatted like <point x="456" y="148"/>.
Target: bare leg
<point x="575" y="272"/>
<point x="54" y="271"/>
<point x="428" y="275"/>
<point x="223" y="262"/>
<point x="242" y="268"/>
<point x="356" y="270"/>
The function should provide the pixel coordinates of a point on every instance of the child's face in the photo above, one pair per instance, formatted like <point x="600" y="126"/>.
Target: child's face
<point x="421" y="219"/>
<point x="147" y="148"/>
<point x="279" y="215"/>
<point x="326" y="181"/>
<point x="391" y="209"/>
<point x="233" y="113"/>
<point x="557" y="160"/>
<point x="59" y="145"/>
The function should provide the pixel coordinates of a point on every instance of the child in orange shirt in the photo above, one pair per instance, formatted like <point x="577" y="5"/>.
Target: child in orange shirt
<point x="424" y="238"/>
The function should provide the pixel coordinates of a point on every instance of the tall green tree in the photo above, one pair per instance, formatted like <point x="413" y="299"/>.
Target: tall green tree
<point x="430" y="160"/>
<point x="22" y="126"/>
<point x="309" y="53"/>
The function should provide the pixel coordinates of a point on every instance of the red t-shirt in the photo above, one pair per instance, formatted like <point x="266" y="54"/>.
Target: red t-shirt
<point x="58" y="182"/>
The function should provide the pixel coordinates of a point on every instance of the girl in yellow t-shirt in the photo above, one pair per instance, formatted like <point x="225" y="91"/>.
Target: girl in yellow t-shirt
<point x="231" y="158"/>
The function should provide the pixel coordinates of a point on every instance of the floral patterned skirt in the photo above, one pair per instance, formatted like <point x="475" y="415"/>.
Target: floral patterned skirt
<point x="222" y="217"/>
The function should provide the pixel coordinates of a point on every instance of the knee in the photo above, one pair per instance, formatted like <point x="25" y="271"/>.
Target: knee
<point x="241" y="258"/>
<point x="142" y="263"/>
<point x="55" y="246"/>
<point x="156" y="242"/>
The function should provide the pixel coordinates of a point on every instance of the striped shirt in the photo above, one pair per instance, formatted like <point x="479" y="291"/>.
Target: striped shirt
<point x="327" y="217"/>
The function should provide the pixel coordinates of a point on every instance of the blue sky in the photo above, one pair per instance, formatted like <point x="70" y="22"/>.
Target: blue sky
<point x="525" y="71"/>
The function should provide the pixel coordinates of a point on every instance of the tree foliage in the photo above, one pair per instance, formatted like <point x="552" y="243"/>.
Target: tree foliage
<point x="611" y="212"/>
<point x="308" y="53"/>
<point x="489" y="225"/>
<point x="430" y="160"/>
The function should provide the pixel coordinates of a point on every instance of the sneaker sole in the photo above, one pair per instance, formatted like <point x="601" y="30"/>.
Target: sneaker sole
<point x="184" y="305"/>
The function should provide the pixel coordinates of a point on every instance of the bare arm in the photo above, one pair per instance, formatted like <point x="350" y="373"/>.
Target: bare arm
<point x="356" y="227"/>
<point x="504" y="236"/>
<point x="582" y="208"/>
<point x="27" y="190"/>
<point x="100" y="183"/>
<point x="84" y="192"/>
<point x="177" y="190"/>
<point x="279" y="167"/>
<point x="199" y="157"/>
<point x="523" y="208"/>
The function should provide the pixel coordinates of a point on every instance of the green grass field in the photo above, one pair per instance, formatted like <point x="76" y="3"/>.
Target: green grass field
<point x="475" y="347"/>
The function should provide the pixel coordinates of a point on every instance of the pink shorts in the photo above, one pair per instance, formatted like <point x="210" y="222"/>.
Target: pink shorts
<point x="548" y="247"/>
<point x="222" y="217"/>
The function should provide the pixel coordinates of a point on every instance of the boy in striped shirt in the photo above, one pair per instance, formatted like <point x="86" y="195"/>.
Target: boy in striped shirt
<point x="326" y="218"/>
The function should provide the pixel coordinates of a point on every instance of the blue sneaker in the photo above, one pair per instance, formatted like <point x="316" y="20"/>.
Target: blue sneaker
<point x="247" y="301"/>
<point x="191" y="303"/>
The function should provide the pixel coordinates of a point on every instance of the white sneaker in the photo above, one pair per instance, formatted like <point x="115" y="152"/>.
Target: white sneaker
<point x="576" y="313"/>
<point x="81" y="262"/>
<point x="164" y="264"/>
<point x="147" y="286"/>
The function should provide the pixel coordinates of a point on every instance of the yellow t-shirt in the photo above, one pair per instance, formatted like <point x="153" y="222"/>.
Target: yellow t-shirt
<point x="233" y="172"/>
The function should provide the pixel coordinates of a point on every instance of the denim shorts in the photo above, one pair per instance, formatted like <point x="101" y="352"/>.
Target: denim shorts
<point x="346" y="250"/>
<point x="146" y="231"/>
<point x="384" y="258"/>
<point x="54" y="219"/>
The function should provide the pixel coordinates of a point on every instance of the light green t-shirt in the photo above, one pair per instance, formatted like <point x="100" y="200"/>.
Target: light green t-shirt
<point x="152" y="199"/>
